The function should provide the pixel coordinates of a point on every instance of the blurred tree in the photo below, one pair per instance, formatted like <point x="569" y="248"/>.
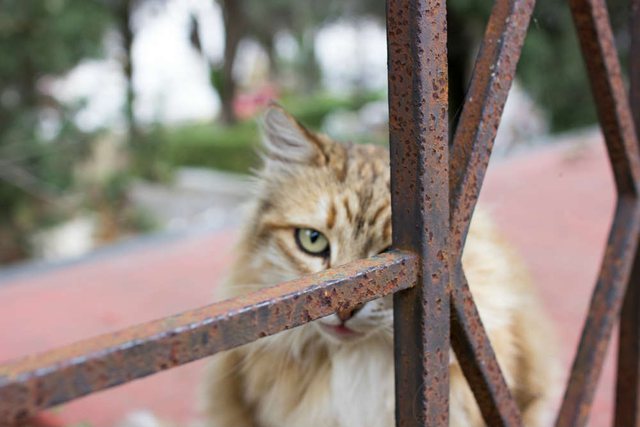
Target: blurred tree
<point x="235" y="28"/>
<point x="123" y="15"/>
<point x="38" y="141"/>
<point x="551" y="67"/>
<point x="301" y="19"/>
<point x="261" y="21"/>
<point x="123" y="11"/>
<point x="221" y="74"/>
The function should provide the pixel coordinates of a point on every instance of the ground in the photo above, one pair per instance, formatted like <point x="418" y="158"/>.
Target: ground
<point x="553" y="203"/>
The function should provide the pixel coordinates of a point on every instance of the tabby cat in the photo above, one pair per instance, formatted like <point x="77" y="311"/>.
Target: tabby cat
<point x="319" y="204"/>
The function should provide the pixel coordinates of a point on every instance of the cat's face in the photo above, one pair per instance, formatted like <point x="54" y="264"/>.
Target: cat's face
<point x="321" y="204"/>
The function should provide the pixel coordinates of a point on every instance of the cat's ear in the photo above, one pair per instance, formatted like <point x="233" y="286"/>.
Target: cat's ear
<point x="287" y="141"/>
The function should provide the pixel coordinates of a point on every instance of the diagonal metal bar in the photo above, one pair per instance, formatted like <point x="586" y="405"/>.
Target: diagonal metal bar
<point x="493" y="74"/>
<point x="598" y="49"/>
<point x="38" y="382"/>
<point x="472" y="144"/>
<point x="477" y="359"/>
<point x="604" y="309"/>
<point x="418" y="131"/>
<point x="627" y="412"/>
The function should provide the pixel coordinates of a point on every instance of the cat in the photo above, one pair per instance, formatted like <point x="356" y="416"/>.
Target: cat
<point x="318" y="204"/>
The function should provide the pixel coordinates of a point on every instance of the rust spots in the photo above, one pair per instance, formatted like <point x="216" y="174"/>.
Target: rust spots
<point x="148" y="348"/>
<point x="618" y="271"/>
<point x="490" y="83"/>
<point x="471" y="345"/>
<point x="417" y="53"/>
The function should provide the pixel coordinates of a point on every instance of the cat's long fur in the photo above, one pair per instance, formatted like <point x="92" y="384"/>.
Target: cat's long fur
<point x="308" y="377"/>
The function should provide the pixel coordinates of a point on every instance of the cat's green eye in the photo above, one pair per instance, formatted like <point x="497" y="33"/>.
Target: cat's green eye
<point x="312" y="242"/>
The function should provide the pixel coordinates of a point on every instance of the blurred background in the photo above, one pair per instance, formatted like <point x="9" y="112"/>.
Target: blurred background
<point x="106" y="107"/>
<point x="128" y="131"/>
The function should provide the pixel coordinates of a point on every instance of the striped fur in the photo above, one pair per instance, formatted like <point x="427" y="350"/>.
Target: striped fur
<point x="307" y="377"/>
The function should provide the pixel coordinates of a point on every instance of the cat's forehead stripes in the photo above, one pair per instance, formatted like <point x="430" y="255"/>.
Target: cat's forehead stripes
<point x="355" y="199"/>
<point x="341" y="190"/>
<point x="331" y="215"/>
<point x="347" y="208"/>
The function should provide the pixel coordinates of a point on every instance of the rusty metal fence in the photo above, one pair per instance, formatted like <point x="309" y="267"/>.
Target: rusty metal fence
<point x="435" y="186"/>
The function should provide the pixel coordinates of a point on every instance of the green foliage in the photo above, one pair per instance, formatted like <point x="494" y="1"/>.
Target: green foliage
<point x="263" y="20"/>
<point x="39" y="39"/>
<point x="552" y="69"/>
<point x="313" y="109"/>
<point x="231" y="148"/>
<point x="551" y="66"/>
<point x="216" y="79"/>
<point x="47" y="36"/>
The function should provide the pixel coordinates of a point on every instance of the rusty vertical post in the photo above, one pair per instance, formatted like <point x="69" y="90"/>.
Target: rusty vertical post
<point x="418" y="127"/>
<point x="627" y="413"/>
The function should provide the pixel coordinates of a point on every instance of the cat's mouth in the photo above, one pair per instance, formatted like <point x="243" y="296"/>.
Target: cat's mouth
<point x="341" y="331"/>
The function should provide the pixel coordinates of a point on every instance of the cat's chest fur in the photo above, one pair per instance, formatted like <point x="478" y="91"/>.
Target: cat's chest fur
<point x="320" y="390"/>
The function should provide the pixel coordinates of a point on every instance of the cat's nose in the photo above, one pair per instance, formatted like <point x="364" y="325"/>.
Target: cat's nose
<point x="348" y="313"/>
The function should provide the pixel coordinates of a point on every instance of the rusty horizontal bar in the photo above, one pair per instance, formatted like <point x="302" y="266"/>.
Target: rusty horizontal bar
<point x="491" y="80"/>
<point x="478" y="360"/>
<point x="418" y="133"/>
<point x="34" y="383"/>
<point x="627" y="413"/>
<point x="603" y="313"/>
